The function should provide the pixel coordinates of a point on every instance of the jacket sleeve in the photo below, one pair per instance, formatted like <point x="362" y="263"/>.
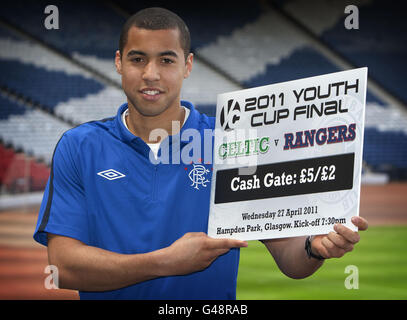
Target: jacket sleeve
<point x="63" y="208"/>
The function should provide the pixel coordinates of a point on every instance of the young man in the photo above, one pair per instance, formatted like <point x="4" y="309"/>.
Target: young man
<point x="118" y="226"/>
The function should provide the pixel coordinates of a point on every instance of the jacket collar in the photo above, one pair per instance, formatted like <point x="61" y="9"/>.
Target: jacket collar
<point x="126" y="136"/>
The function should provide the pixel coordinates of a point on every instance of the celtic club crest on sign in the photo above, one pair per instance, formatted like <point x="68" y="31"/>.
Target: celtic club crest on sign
<point x="198" y="176"/>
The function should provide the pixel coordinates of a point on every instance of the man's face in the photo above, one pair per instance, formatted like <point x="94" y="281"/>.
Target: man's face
<point x="153" y="68"/>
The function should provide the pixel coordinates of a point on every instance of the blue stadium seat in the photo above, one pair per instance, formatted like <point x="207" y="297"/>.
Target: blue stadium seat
<point x="33" y="131"/>
<point x="87" y="27"/>
<point x="380" y="43"/>
<point x="302" y="63"/>
<point x="8" y="108"/>
<point x="385" y="148"/>
<point x="42" y="86"/>
<point x="206" y="20"/>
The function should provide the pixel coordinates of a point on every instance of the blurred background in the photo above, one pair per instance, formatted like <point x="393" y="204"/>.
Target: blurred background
<point x="54" y="79"/>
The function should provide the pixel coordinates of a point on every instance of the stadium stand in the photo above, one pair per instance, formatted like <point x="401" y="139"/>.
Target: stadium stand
<point x="51" y="80"/>
<point x="270" y="50"/>
<point x="207" y="20"/>
<point x="102" y="49"/>
<point x="377" y="43"/>
<point x="47" y="88"/>
<point x="88" y="31"/>
<point x="30" y="130"/>
<point x="19" y="173"/>
<point x="67" y="93"/>
<point x="385" y="141"/>
<point x="6" y="158"/>
<point x="54" y="79"/>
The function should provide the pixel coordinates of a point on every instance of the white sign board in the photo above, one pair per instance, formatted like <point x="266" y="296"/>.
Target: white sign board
<point x="288" y="157"/>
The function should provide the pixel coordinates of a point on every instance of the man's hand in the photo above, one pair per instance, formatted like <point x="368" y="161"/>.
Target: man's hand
<point x="195" y="251"/>
<point x="336" y="244"/>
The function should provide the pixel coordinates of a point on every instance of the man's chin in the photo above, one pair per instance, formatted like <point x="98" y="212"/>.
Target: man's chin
<point x="149" y="110"/>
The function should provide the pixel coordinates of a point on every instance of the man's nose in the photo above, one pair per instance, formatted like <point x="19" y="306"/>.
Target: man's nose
<point x="151" y="72"/>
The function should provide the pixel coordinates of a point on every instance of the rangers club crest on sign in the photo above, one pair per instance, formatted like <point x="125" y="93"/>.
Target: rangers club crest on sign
<point x="198" y="176"/>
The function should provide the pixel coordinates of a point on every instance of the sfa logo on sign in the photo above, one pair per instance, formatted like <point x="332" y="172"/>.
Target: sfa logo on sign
<point x="257" y="107"/>
<point x="229" y="115"/>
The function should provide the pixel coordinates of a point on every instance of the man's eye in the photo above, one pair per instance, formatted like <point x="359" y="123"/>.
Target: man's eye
<point x="167" y="61"/>
<point x="137" y="59"/>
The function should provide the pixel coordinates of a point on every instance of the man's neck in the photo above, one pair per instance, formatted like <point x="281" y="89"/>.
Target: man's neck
<point x="154" y="129"/>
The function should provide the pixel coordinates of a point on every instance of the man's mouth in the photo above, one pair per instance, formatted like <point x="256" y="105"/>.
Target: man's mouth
<point x="151" y="93"/>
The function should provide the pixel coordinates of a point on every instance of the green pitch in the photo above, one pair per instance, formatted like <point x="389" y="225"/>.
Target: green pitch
<point x="380" y="256"/>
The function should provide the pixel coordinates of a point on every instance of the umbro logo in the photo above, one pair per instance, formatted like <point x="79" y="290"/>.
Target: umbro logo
<point x="111" y="174"/>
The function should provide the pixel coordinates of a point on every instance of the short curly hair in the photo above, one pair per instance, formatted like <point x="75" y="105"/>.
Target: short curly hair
<point x="157" y="19"/>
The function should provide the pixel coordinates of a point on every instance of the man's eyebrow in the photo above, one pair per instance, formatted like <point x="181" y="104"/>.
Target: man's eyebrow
<point x="135" y="52"/>
<point x="169" y="53"/>
<point x="161" y="54"/>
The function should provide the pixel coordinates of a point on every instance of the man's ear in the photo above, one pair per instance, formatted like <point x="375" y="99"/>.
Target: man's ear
<point x="118" y="62"/>
<point x="188" y="65"/>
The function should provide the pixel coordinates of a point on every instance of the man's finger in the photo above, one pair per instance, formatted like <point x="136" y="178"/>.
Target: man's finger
<point x="360" y="222"/>
<point x="340" y="241"/>
<point x="226" y="243"/>
<point x="323" y="252"/>
<point x="352" y="236"/>
<point x="333" y="250"/>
